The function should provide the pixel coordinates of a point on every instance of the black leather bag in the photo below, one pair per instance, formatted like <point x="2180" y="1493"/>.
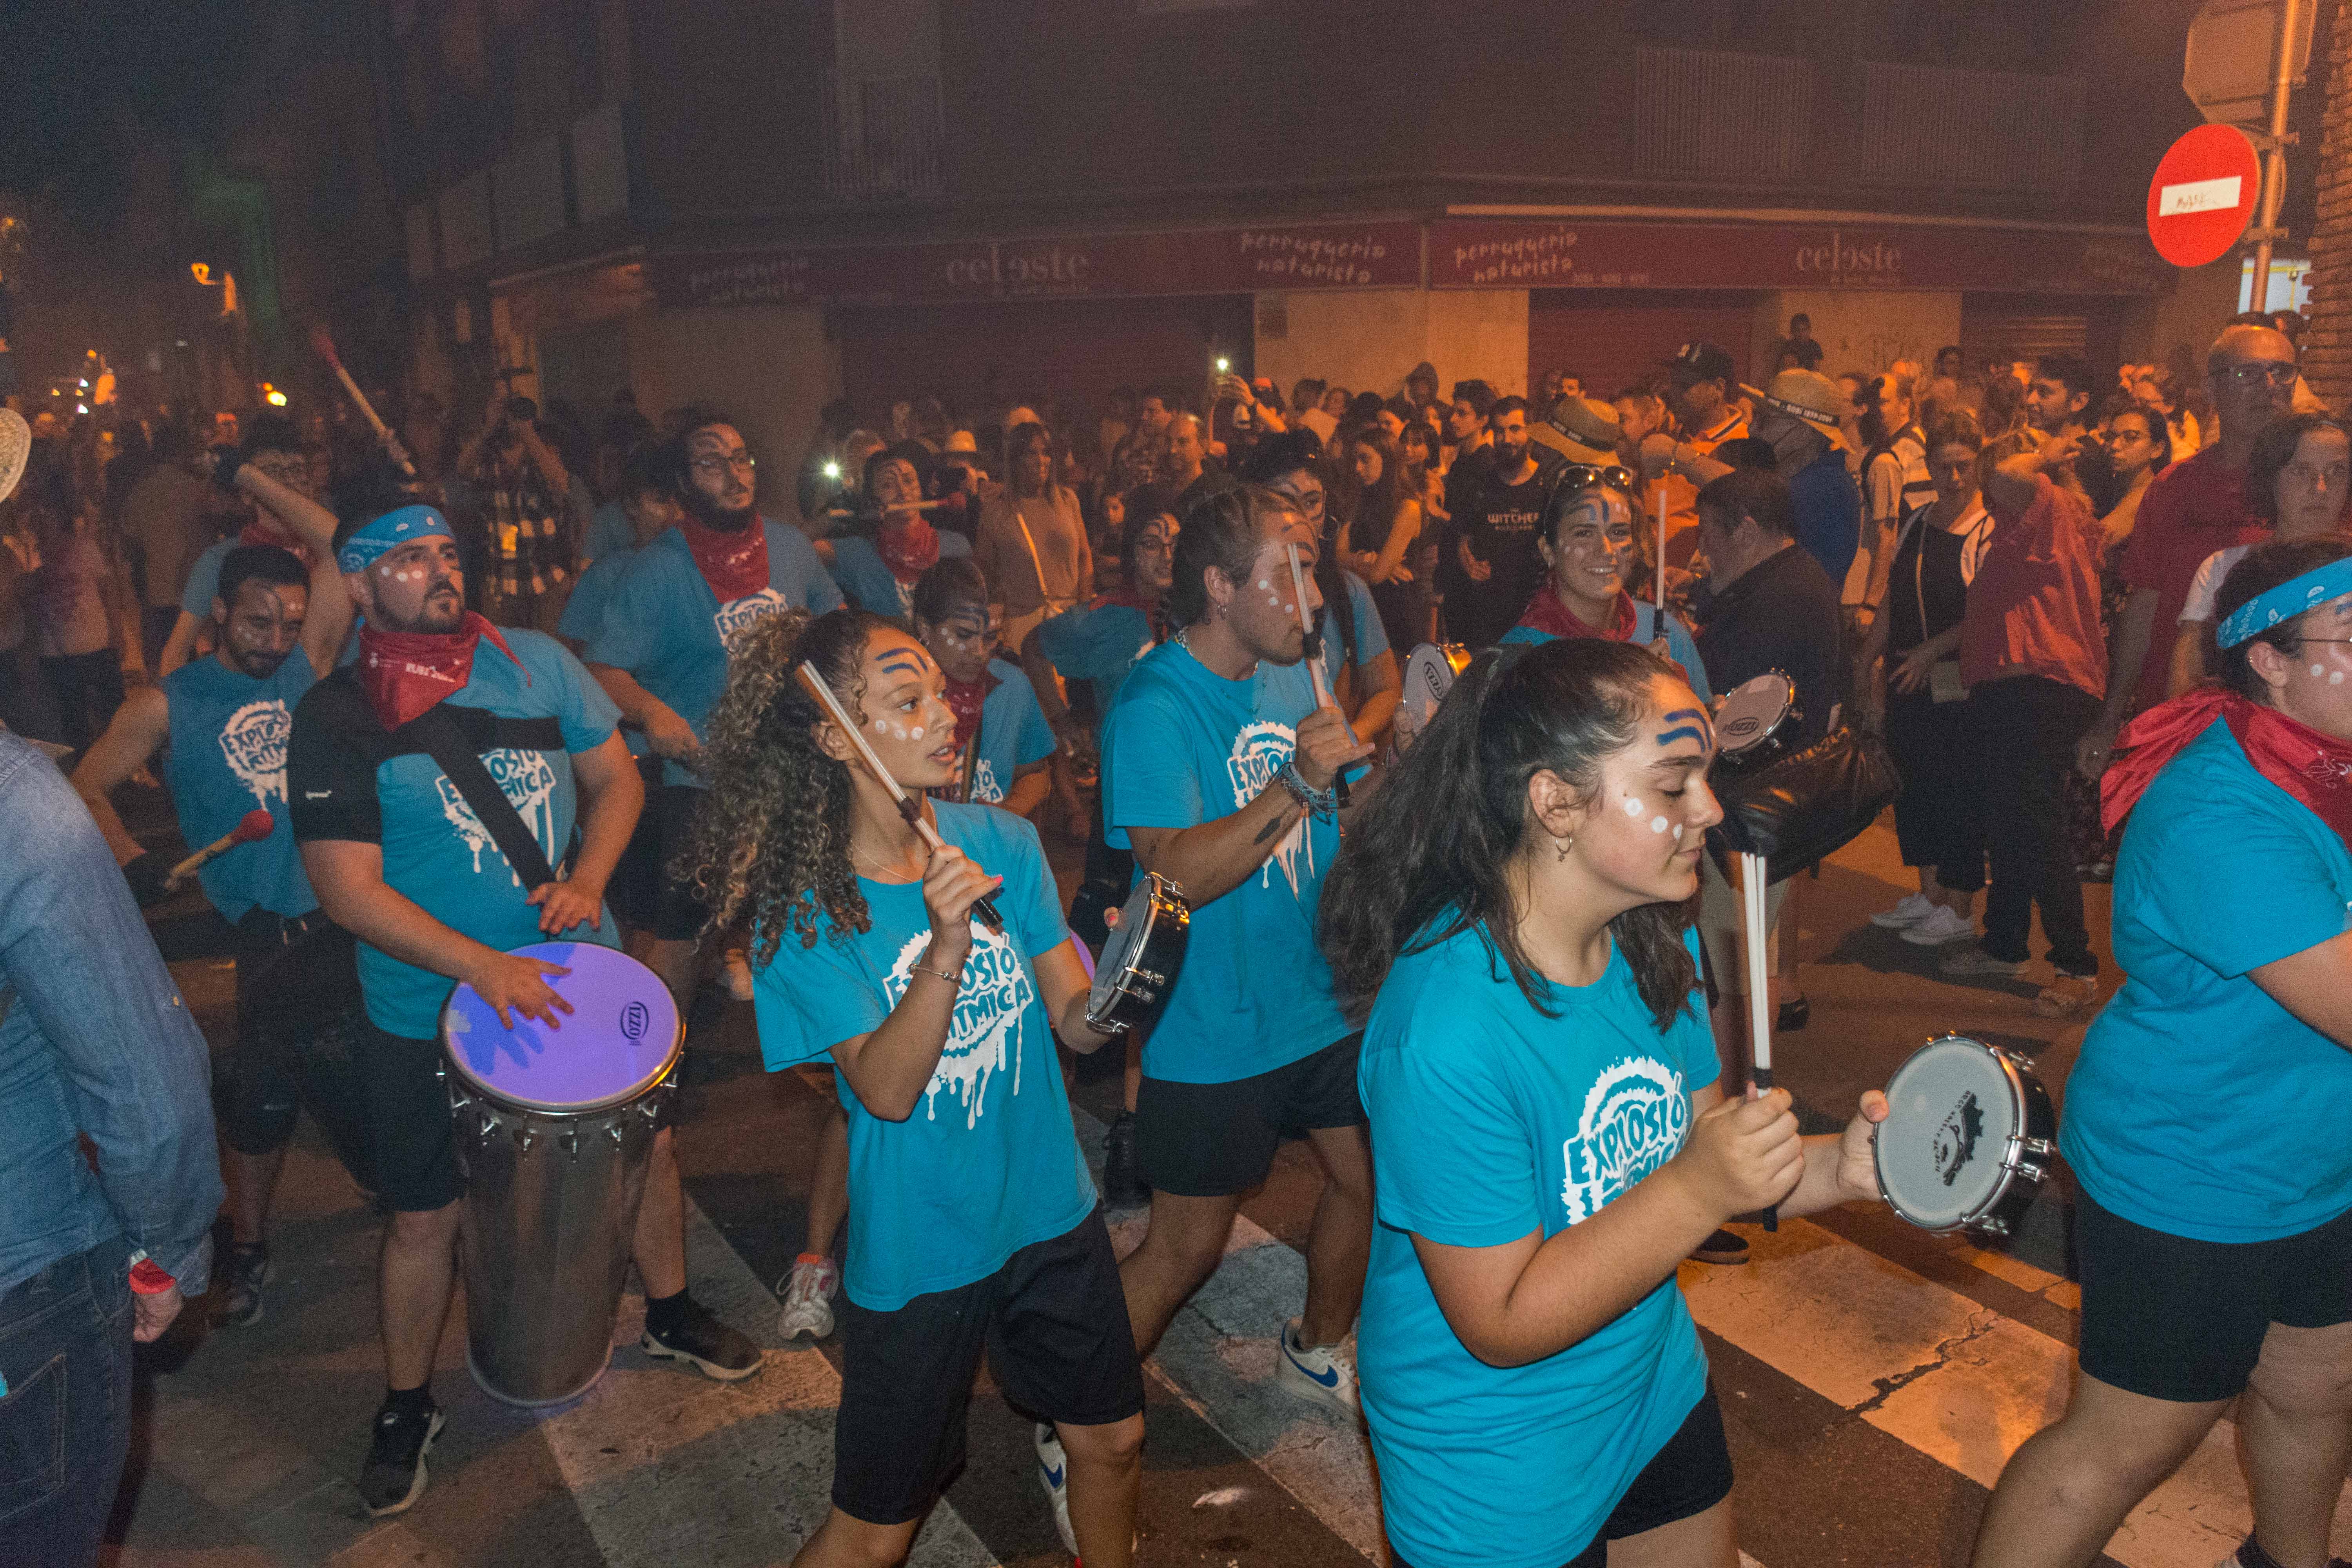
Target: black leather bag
<point x="1802" y="808"/>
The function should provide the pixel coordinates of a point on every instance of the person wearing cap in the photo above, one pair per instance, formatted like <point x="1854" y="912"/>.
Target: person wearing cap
<point x="1797" y="415"/>
<point x="1704" y="379"/>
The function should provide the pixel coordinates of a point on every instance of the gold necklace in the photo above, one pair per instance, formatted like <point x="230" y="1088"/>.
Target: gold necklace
<point x="887" y="871"/>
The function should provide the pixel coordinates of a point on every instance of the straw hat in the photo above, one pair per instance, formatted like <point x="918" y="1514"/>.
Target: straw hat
<point x="1805" y="394"/>
<point x="1581" y="429"/>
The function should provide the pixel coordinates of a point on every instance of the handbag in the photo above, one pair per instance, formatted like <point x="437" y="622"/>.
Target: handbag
<point x="1802" y="808"/>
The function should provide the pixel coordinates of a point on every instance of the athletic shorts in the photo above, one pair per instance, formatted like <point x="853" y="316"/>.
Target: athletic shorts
<point x="295" y="980"/>
<point x="408" y="1120"/>
<point x="1053" y="1324"/>
<point x="1212" y="1140"/>
<point x="634" y="891"/>
<point x="677" y="914"/>
<point x="1690" y="1475"/>
<point x="2178" y="1319"/>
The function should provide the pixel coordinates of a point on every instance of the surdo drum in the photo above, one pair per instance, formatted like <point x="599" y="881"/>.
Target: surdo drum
<point x="553" y="1130"/>
<point x="1967" y="1139"/>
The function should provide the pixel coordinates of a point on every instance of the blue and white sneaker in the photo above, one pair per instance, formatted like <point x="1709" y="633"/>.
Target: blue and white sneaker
<point x="1315" y="1374"/>
<point x="1053" y="1474"/>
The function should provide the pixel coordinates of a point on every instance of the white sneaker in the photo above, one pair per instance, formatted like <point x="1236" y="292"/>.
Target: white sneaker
<point x="1910" y="910"/>
<point x="739" y="974"/>
<point x="1940" y="926"/>
<point x="1053" y="1474"/>
<point x="808" y="1299"/>
<point x="1317" y="1373"/>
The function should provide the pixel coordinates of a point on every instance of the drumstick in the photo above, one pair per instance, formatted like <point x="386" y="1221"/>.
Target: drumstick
<point x="324" y="343"/>
<point x="1315" y="666"/>
<point x="817" y="689"/>
<point x="902" y="506"/>
<point x="1752" y="872"/>
<point x="1661" y="599"/>
<point x="254" y="824"/>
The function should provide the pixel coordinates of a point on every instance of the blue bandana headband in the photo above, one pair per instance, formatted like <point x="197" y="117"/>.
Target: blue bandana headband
<point x="392" y="530"/>
<point x="2290" y="598"/>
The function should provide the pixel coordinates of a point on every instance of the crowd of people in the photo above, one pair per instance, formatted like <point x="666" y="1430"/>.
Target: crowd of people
<point x="1479" y="957"/>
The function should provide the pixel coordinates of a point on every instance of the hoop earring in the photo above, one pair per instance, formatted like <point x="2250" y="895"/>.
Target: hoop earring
<point x="1561" y="845"/>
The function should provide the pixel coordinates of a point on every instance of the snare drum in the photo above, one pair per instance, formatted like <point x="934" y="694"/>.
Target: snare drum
<point x="1757" y="723"/>
<point x="1141" y="957"/>
<point x="554" y="1131"/>
<point x="1968" y="1138"/>
<point x="1430" y="671"/>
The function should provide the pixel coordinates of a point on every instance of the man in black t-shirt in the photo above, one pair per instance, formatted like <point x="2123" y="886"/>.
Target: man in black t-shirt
<point x="1495" y="535"/>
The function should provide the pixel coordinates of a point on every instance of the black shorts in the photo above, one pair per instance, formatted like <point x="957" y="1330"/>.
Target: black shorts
<point x="677" y="914"/>
<point x="1690" y="1475"/>
<point x="1053" y="1323"/>
<point x="408" y="1121"/>
<point x="634" y="891"/>
<point x="295" y="981"/>
<point x="1212" y="1140"/>
<point x="2178" y="1319"/>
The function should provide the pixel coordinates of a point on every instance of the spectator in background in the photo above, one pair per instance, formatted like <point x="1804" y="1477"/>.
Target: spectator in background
<point x="1895" y="481"/>
<point x="1118" y="419"/>
<point x="2161" y="398"/>
<point x="2057" y="403"/>
<point x="1307" y="410"/>
<point x="1703" y="380"/>
<point x="1032" y="542"/>
<point x="1420" y="387"/>
<point x="1394" y="416"/>
<point x="1378" y="538"/>
<point x="1336" y="399"/>
<point x="2138" y="447"/>
<point x="822" y="473"/>
<point x="1496" y="532"/>
<point x="85" y="617"/>
<point x="1798" y="351"/>
<point x="1188" y="468"/>
<point x="518" y="499"/>
<point x="1951" y="364"/>
<point x="170" y="516"/>
<point x="1799" y="417"/>
<point x="1420" y="453"/>
<point x="97" y="1047"/>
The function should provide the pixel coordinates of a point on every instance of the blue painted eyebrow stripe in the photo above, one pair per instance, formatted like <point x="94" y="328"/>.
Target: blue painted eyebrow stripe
<point x="898" y="663"/>
<point x="1683" y="732"/>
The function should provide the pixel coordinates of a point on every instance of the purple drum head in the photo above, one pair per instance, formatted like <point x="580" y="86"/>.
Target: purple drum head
<point x="619" y="1038"/>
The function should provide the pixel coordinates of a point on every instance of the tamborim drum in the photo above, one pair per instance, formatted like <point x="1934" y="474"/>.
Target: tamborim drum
<point x="553" y="1130"/>
<point x="1966" y="1139"/>
<point x="1757" y="723"/>
<point x="1141" y="957"/>
<point x="1430" y="671"/>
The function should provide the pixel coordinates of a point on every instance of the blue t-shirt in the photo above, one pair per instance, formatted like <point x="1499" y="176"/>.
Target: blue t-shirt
<point x="1013" y="733"/>
<point x="583" y="614"/>
<point x="1829" y="513"/>
<point x="1489" y="1121"/>
<point x="665" y="626"/>
<point x="204" y="579"/>
<point x="1646" y="632"/>
<point x="2200" y="1107"/>
<point x="609" y="533"/>
<point x="1100" y="643"/>
<point x="1371" y="638"/>
<point x="862" y="574"/>
<point x="988" y="1161"/>
<point x="227" y="755"/>
<point x="1186" y="746"/>
<point x="350" y="779"/>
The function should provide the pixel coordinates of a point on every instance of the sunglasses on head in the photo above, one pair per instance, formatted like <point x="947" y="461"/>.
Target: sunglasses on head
<point x="1583" y="476"/>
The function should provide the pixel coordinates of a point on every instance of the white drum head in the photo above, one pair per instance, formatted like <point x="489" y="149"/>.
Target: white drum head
<point x="1119" y="947"/>
<point x="1750" y="711"/>
<point x="1951" y="1113"/>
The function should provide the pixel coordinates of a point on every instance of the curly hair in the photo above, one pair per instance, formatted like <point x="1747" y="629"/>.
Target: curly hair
<point x="771" y="842"/>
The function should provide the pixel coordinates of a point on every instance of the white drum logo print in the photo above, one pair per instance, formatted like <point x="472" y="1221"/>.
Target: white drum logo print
<point x="1259" y="751"/>
<point x="737" y="615"/>
<point x="985" y="790"/>
<point x="253" y="742"/>
<point x="984" y="1032"/>
<point x="527" y="779"/>
<point x="1633" y="1121"/>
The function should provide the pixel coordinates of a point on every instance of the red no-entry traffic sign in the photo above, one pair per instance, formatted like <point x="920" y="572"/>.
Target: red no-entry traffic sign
<point x="2203" y="195"/>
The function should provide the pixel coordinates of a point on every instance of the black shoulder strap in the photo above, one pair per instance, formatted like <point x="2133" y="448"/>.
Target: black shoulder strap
<point x="438" y="731"/>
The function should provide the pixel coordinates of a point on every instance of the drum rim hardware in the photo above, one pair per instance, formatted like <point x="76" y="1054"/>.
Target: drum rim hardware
<point x="1166" y="921"/>
<point x="2019" y="1152"/>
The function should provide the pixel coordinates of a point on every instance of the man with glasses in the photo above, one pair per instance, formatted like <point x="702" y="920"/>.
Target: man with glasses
<point x="661" y="652"/>
<point x="2192" y="509"/>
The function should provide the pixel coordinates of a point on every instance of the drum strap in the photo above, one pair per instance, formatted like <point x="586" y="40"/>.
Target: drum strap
<point x="445" y="740"/>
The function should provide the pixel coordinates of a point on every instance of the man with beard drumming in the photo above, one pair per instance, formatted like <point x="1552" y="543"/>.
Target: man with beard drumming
<point x="221" y="723"/>
<point x="661" y="654"/>
<point x="402" y="861"/>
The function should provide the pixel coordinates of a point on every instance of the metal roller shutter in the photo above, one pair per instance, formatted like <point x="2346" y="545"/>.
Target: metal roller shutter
<point x="1616" y="337"/>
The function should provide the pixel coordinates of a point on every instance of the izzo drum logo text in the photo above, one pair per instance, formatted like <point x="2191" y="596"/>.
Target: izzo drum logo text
<point x="1633" y="1121"/>
<point x="525" y="778"/>
<point x="739" y="616"/>
<point x="253" y="743"/>
<point x="1259" y="751"/>
<point x="635" y="1019"/>
<point x="984" y="1031"/>
<point x="1956" y="1139"/>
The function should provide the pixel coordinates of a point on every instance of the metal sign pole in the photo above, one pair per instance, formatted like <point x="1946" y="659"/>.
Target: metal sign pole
<point x="2266" y="230"/>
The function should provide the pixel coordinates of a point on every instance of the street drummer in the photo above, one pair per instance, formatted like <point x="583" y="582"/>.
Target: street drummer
<point x="977" y="1228"/>
<point x="2203" y="1120"/>
<point x="1550" y="1134"/>
<point x="402" y="861"/>
<point x="1587" y="541"/>
<point x="1219" y="769"/>
<point x="221" y="723"/>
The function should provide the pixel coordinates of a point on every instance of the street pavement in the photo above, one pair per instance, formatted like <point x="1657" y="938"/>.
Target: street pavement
<point x="1873" y="1378"/>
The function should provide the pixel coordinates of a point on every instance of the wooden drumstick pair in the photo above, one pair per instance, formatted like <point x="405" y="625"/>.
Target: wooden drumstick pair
<point x="816" y="687"/>
<point x="1753" y="870"/>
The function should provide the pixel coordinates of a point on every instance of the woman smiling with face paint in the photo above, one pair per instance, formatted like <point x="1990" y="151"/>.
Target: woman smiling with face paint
<point x="1549" y="1138"/>
<point x="1586" y="542"/>
<point x="976" y="1225"/>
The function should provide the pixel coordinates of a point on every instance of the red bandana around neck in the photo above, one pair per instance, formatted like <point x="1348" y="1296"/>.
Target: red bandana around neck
<point x="259" y="533"/>
<point x="1548" y="614"/>
<point x="406" y="673"/>
<point x="964" y="700"/>
<point x="734" y="564"/>
<point x="908" y="548"/>
<point x="2315" y="769"/>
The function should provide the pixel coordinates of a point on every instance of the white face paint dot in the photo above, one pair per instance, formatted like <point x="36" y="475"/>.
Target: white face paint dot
<point x="1678" y="833"/>
<point x="917" y="731"/>
<point x="1657" y="824"/>
<point x="2314" y="672"/>
<point x="1632" y="806"/>
<point x="1266" y="582"/>
<point x="2335" y="677"/>
<point x="880" y="724"/>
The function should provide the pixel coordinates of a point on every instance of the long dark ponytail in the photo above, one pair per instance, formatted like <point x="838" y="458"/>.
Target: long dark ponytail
<point x="1431" y="855"/>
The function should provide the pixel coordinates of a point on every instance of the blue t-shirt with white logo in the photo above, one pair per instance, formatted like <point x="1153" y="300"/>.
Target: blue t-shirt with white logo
<point x="227" y="756"/>
<point x="1013" y="733"/>
<point x="1098" y="643"/>
<point x="350" y="779"/>
<point x="583" y="615"/>
<point x="988" y="1163"/>
<point x="1646" y="623"/>
<point x="1186" y="746"/>
<point x="861" y="574"/>
<point x="665" y="626"/>
<point x="1490" y="1122"/>
<point x="2199" y="1107"/>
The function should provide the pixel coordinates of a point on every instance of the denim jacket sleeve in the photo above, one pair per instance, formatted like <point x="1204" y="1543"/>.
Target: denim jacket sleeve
<point x="97" y="1036"/>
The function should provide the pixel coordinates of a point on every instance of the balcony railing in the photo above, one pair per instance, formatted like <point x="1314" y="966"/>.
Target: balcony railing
<point x="883" y="138"/>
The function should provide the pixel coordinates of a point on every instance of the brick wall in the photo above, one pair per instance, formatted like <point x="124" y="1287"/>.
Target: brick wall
<point x="2328" y="356"/>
